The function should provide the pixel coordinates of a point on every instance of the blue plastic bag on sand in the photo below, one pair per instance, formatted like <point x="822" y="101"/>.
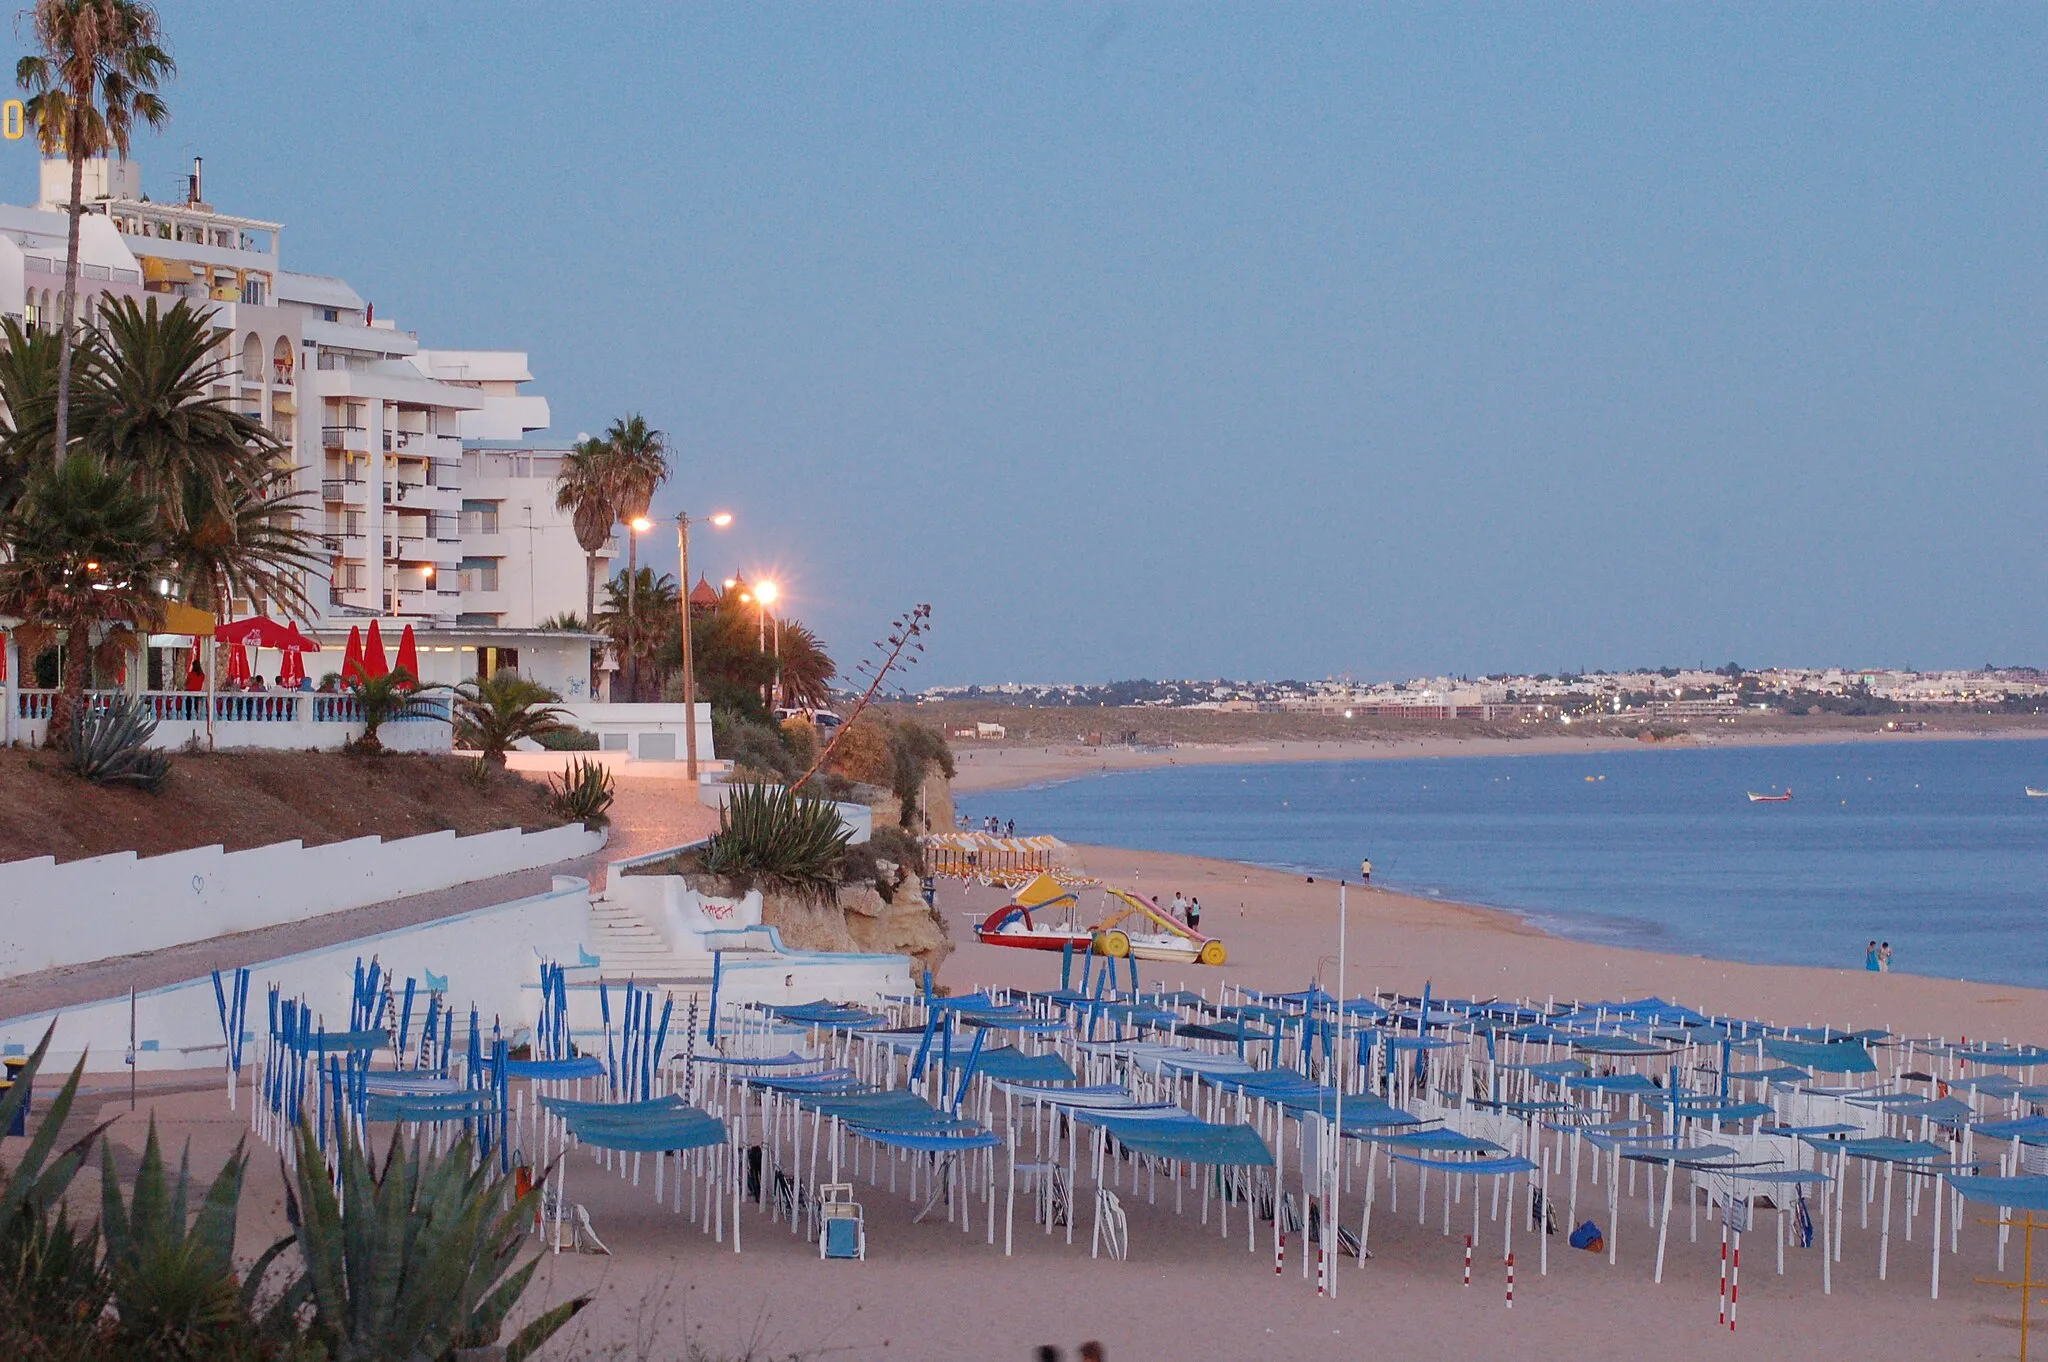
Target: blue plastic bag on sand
<point x="1587" y="1236"/>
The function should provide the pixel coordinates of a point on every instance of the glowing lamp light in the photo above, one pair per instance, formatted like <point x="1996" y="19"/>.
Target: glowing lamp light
<point x="640" y="524"/>
<point x="766" y="592"/>
<point x="722" y="519"/>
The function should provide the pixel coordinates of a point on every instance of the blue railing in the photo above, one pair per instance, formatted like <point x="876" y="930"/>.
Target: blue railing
<point x="240" y="707"/>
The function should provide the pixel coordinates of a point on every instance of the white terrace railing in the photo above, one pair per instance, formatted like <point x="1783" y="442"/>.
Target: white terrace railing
<point x="279" y="707"/>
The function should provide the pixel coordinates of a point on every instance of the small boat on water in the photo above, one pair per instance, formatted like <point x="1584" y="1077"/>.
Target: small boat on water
<point x="1784" y="798"/>
<point x="2033" y="793"/>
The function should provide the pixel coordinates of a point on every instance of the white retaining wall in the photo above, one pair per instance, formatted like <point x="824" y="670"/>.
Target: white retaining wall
<point x="490" y="957"/>
<point x="105" y="906"/>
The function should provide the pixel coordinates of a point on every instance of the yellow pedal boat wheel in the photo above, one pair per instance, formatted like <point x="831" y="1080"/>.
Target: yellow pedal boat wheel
<point x="1114" y="944"/>
<point x="1212" y="953"/>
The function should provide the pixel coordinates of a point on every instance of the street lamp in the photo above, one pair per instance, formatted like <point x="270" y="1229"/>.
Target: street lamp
<point x="719" y="521"/>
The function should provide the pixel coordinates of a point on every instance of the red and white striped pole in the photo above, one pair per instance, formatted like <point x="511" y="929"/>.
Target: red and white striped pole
<point x="1468" y="1260"/>
<point x="1734" y="1279"/>
<point x="1511" y="1281"/>
<point x="1279" y="1247"/>
<point x="1322" y="1267"/>
<point x="1722" y="1316"/>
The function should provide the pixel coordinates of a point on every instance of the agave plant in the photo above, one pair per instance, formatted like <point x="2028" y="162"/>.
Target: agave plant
<point x="110" y="746"/>
<point x="52" y="1288"/>
<point x="583" y="792"/>
<point x="175" y="1290"/>
<point x="422" y="1261"/>
<point x="770" y="835"/>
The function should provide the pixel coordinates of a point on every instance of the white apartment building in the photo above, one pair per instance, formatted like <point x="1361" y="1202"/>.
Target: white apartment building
<point x="375" y="424"/>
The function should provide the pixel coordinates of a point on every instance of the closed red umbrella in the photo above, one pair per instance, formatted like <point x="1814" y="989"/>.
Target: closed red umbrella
<point x="374" y="664"/>
<point x="408" y="655"/>
<point x="296" y="645"/>
<point x="352" y="657"/>
<point x="238" y="663"/>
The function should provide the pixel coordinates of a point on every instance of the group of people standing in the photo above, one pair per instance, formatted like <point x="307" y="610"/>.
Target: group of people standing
<point x="1187" y="910"/>
<point x="1877" y="956"/>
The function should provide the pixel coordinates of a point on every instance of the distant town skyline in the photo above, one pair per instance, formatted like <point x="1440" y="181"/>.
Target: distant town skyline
<point x="1183" y="339"/>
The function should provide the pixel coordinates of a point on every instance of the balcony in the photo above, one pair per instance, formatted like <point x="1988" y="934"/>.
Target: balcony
<point x="344" y="490"/>
<point x="478" y="579"/>
<point x="345" y="437"/>
<point x="479" y="522"/>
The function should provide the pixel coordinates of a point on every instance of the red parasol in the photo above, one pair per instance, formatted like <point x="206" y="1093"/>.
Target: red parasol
<point x="408" y="655"/>
<point x="374" y="665"/>
<point x="263" y="633"/>
<point x="352" y="658"/>
<point x="238" y="663"/>
<point x="295" y="645"/>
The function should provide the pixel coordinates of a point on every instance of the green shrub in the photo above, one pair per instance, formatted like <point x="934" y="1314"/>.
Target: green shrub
<point x="109" y="746"/>
<point x="175" y="1289"/>
<point x="755" y="747"/>
<point x="52" y="1287"/>
<point x="421" y="1261"/>
<point x="583" y="792"/>
<point x="568" y="740"/>
<point x="772" y="837"/>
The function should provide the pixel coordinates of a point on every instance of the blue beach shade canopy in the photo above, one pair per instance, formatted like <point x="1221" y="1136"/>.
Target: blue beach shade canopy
<point x="2026" y="1193"/>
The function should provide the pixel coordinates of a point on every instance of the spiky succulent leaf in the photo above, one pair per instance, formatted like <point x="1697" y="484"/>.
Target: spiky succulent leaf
<point x="774" y="836"/>
<point x="583" y="791"/>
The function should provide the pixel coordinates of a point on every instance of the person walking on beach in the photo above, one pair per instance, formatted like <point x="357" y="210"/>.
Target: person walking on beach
<point x="1365" y="871"/>
<point x="1195" y="914"/>
<point x="1870" y="956"/>
<point x="1180" y="906"/>
<point x="1884" y="957"/>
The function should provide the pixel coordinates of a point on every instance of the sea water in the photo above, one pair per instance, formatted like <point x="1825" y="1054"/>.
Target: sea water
<point x="1931" y="845"/>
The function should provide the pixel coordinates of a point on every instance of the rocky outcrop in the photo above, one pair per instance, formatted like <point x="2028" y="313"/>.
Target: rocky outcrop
<point x="862" y="920"/>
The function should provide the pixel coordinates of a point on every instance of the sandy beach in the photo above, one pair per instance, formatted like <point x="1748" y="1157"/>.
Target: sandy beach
<point x="1002" y="765"/>
<point x="930" y="1292"/>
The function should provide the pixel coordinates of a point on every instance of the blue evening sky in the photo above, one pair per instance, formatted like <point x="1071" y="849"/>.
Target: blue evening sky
<point x="1238" y="339"/>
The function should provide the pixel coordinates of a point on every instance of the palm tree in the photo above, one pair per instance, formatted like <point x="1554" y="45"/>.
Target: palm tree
<point x="152" y="409"/>
<point x="258" y="547"/>
<point x="639" y="611"/>
<point x="640" y="458"/>
<point x="394" y="695"/>
<point x="86" y="556"/>
<point x="94" y="79"/>
<point x="586" y="486"/>
<point x="28" y="392"/>
<point x="493" y="714"/>
<point x="806" y="668"/>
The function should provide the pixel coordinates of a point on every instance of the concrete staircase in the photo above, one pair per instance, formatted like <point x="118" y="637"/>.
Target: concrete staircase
<point x="628" y="946"/>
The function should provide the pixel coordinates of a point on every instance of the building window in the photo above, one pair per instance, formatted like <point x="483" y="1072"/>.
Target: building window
<point x="479" y="517"/>
<point x="478" y="619"/>
<point x="480" y="574"/>
<point x="328" y="314"/>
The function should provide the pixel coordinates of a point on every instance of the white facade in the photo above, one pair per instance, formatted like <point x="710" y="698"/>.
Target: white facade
<point x="521" y="562"/>
<point x="374" y="424"/>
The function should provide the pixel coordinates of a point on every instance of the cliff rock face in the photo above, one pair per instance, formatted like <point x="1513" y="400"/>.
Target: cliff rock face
<point x="862" y="921"/>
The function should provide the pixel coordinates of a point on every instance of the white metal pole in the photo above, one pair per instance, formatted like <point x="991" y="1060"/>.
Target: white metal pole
<point x="1335" y="1156"/>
